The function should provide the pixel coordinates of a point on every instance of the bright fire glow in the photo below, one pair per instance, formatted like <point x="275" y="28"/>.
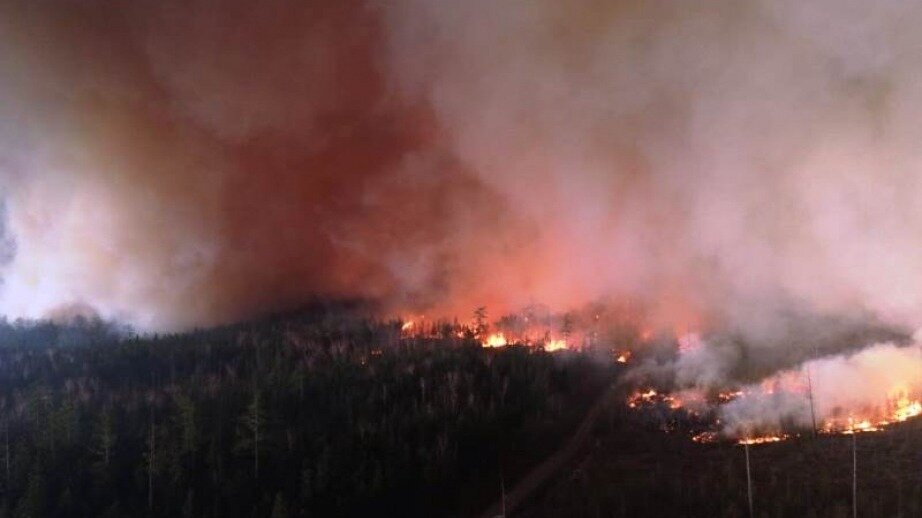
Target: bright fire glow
<point x="860" y="427"/>
<point x="652" y="397"/>
<point x="555" y="345"/>
<point x="763" y="440"/>
<point x="495" y="340"/>
<point x="899" y="408"/>
<point x="912" y="409"/>
<point x="705" y="437"/>
<point x="724" y="397"/>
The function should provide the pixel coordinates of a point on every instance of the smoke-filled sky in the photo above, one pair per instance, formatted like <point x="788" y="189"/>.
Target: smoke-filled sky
<point x="176" y="164"/>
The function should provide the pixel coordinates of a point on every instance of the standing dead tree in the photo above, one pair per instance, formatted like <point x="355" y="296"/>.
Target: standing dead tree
<point x="854" y="474"/>
<point x="748" y="479"/>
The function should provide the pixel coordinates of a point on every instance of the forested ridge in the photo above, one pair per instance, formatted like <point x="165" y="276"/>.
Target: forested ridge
<point x="323" y="412"/>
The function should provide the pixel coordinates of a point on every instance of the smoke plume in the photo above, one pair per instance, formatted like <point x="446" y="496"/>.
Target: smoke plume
<point x="176" y="164"/>
<point x="844" y="389"/>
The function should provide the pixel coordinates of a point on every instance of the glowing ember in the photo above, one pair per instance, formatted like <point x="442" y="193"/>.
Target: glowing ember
<point x="623" y="357"/>
<point x="652" y="397"/>
<point x="724" y="397"/>
<point x="860" y="427"/>
<point x="705" y="437"/>
<point x="407" y="326"/>
<point x="495" y="340"/>
<point x="763" y="440"/>
<point x="638" y="398"/>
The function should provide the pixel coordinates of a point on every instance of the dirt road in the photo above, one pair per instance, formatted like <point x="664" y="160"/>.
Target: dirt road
<point x="538" y="476"/>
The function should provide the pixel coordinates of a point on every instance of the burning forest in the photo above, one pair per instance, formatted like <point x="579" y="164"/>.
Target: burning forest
<point x="857" y="384"/>
<point x="712" y="206"/>
<point x="865" y="390"/>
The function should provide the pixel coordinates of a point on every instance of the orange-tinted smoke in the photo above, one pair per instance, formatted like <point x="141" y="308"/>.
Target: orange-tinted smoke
<point x="181" y="164"/>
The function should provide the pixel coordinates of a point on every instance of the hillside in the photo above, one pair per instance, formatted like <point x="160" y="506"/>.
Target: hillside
<point x="324" y="412"/>
<point x="635" y="469"/>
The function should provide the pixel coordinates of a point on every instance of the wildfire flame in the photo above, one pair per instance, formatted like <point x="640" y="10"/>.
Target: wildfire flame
<point x="912" y="409"/>
<point x="725" y="397"/>
<point x="899" y="408"/>
<point x="495" y="340"/>
<point x="652" y="397"/>
<point x="555" y="345"/>
<point x="638" y="398"/>
<point x="763" y="439"/>
<point x="705" y="437"/>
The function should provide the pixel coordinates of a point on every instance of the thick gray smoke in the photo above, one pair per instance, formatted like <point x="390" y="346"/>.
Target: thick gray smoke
<point x="178" y="164"/>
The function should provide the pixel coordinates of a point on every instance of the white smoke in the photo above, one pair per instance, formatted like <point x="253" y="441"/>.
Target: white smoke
<point x="831" y="380"/>
<point x="857" y="386"/>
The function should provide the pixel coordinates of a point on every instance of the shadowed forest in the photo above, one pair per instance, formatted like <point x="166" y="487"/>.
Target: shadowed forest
<point x="323" y="412"/>
<point x="330" y="412"/>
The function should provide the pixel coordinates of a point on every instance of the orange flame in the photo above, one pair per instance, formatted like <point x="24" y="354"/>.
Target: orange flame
<point x="899" y="408"/>
<point x="652" y="397"/>
<point x="765" y="439"/>
<point x="555" y="345"/>
<point x="495" y="340"/>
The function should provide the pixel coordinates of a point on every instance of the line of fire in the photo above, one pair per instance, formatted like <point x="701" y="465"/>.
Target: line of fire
<point x="697" y="411"/>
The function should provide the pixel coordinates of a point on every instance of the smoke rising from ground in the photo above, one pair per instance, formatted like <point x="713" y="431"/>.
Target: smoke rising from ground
<point x="853" y="386"/>
<point x="185" y="164"/>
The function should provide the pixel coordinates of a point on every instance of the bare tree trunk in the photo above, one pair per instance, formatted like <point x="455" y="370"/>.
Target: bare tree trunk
<point x="854" y="474"/>
<point x="748" y="479"/>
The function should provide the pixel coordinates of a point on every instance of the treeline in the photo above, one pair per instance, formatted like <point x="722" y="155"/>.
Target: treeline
<point x="320" y="413"/>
